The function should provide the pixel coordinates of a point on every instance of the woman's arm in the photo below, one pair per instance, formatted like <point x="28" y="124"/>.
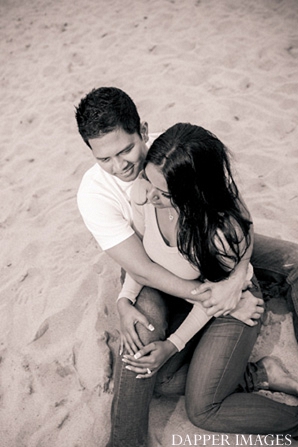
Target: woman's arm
<point x="193" y="323"/>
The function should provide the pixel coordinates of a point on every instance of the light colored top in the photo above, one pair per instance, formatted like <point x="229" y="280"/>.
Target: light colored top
<point x="104" y="203"/>
<point x="145" y="222"/>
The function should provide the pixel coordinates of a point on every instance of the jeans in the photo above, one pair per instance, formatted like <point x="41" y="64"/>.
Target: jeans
<point x="276" y="261"/>
<point x="219" y="382"/>
<point x="132" y="397"/>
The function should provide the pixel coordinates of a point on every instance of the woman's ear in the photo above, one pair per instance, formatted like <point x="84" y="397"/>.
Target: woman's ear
<point x="144" y="131"/>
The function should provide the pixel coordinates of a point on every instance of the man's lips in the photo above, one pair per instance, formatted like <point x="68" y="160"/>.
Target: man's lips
<point x="127" y="171"/>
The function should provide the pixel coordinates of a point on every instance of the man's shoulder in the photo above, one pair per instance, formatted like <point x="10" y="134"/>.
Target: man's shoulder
<point x="93" y="181"/>
<point x="92" y="173"/>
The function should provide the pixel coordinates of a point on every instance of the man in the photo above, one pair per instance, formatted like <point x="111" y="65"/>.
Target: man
<point x="109" y="124"/>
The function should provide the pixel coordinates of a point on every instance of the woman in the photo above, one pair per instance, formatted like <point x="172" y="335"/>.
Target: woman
<point x="194" y="222"/>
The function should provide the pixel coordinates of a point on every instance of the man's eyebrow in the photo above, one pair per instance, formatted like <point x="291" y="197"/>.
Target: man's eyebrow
<point x="129" y="146"/>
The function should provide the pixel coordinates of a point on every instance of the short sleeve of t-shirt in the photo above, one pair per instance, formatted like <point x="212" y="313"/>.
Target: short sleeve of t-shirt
<point x="105" y="208"/>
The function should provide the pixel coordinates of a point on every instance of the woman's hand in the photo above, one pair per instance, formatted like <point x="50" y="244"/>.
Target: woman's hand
<point x="129" y="317"/>
<point x="150" y="358"/>
<point x="249" y="309"/>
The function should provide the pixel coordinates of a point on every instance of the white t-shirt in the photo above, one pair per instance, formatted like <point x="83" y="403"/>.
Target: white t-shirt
<point x="104" y="203"/>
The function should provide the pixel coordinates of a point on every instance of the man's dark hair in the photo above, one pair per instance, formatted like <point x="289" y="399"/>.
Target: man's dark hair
<point x="104" y="110"/>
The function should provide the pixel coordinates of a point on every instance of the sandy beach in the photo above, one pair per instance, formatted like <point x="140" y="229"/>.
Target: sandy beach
<point x="229" y="66"/>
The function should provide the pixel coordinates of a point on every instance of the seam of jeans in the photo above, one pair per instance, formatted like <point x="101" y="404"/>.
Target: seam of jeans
<point x="227" y="363"/>
<point x="116" y="404"/>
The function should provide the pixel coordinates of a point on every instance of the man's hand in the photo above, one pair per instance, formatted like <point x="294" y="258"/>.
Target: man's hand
<point x="249" y="309"/>
<point x="219" y="298"/>
<point x="150" y="358"/>
<point x="129" y="317"/>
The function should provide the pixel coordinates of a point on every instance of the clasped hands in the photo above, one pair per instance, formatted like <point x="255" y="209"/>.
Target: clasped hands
<point x="148" y="360"/>
<point x="143" y="360"/>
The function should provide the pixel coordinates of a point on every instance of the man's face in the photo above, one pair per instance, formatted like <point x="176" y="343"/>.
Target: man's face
<point x="120" y="154"/>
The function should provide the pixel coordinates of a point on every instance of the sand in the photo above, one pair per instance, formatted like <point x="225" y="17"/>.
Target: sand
<point x="230" y="66"/>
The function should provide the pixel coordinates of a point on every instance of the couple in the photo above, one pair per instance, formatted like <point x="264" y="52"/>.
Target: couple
<point x="186" y="199"/>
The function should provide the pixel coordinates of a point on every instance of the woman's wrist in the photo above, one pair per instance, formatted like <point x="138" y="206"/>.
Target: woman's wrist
<point x="171" y="348"/>
<point x="123" y="304"/>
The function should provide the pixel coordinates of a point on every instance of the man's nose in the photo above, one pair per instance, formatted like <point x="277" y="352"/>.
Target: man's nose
<point x="117" y="165"/>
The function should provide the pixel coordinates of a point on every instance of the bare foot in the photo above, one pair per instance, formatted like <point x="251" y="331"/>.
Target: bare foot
<point x="279" y="378"/>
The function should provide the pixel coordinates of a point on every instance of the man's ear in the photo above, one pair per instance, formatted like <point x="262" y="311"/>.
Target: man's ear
<point x="144" y="131"/>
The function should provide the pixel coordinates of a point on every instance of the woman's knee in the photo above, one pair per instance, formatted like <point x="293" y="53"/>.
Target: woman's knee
<point x="146" y="336"/>
<point x="151" y="304"/>
<point x="201" y="417"/>
<point x="196" y="414"/>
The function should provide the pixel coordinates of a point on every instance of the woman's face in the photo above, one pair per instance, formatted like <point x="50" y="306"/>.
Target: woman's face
<point x="157" y="188"/>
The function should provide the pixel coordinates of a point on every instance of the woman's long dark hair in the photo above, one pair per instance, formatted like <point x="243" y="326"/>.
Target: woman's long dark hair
<point x="197" y="169"/>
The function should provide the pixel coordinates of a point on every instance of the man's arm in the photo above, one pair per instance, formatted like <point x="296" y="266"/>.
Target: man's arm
<point x="222" y="297"/>
<point x="130" y="254"/>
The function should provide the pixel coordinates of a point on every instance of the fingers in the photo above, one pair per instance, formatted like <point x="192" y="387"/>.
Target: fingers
<point x="141" y="359"/>
<point x="145" y="350"/>
<point x="132" y="342"/>
<point x="121" y="346"/>
<point x="211" y="301"/>
<point x="142" y="373"/>
<point x="145" y="376"/>
<point x="258" y="313"/>
<point x="127" y="347"/>
<point x="215" y="311"/>
<point x="145" y="369"/>
<point x="143" y="363"/>
<point x="130" y="338"/>
<point x="143" y="320"/>
<point x="201" y="296"/>
<point x="251" y="322"/>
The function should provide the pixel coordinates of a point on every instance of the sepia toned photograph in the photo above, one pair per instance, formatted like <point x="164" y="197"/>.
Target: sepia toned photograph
<point x="149" y="223"/>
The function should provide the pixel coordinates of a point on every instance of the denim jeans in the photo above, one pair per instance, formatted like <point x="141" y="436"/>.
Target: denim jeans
<point x="219" y="382"/>
<point x="276" y="261"/>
